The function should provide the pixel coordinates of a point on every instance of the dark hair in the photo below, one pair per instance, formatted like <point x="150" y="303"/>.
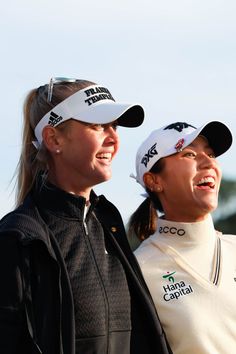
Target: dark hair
<point x="143" y="222"/>
<point x="33" y="161"/>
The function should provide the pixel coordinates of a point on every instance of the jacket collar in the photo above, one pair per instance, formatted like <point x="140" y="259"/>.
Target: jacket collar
<point x="54" y="200"/>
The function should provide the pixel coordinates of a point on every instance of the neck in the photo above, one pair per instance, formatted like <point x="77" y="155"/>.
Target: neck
<point x="188" y="218"/>
<point x="69" y="186"/>
<point x="187" y="232"/>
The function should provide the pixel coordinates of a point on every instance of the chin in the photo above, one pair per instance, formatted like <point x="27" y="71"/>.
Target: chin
<point x="214" y="205"/>
<point x="210" y="209"/>
<point x="210" y="204"/>
<point x="108" y="176"/>
<point x="104" y="178"/>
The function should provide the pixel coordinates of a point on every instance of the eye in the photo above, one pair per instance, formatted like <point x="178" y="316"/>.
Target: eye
<point x="190" y="154"/>
<point x="212" y="155"/>
<point x="103" y="127"/>
<point x="114" y="126"/>
<point x="98" y="127"/>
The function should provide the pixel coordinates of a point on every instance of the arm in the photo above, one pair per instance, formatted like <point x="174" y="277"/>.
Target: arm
<point x="12" y="322"/>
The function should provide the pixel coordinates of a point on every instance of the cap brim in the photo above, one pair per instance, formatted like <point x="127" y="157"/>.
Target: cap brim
<point x="218" y="135"/>
<point x="127" y="115"/>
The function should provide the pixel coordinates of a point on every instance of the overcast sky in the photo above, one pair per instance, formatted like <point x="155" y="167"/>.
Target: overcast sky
<point x="175" y="57"/>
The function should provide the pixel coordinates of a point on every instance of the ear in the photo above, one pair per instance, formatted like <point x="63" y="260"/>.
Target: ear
<point x="51" y="138"/>
<point x="149" y="180"/>
<point x="152" y="182"/>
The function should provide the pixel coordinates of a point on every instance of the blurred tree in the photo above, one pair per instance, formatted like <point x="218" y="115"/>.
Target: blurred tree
<point x="225" y="215"/>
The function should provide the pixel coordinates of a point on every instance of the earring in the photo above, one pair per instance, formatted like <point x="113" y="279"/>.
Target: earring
<point x="159" y="189"/>
<point x="58" y="151"/>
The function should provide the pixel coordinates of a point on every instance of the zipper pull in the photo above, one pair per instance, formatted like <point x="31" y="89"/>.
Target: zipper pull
<point x="85" y="228"/>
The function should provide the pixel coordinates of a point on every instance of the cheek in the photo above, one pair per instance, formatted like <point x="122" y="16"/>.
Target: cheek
<point x="91" y="144"/>
<point x="117" y="145"/>
<point x="219" y="174"/>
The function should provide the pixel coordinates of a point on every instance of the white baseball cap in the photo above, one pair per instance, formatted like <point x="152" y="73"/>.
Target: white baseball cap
<point x="94" y="105"/>
<point x="174" y="137"/>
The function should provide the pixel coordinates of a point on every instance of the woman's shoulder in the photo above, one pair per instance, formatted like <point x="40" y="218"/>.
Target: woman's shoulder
<point x="230" y="238"/>
<point x="106" y="210"/>
<point x="22" y="222"/>
<point x="146" y="250"/>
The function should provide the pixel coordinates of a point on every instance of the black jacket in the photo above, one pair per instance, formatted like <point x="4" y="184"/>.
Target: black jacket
<point x="31" y="264"/>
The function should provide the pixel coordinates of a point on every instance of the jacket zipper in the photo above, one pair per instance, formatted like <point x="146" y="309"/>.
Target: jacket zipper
<point x="100" y="280"/>
<point x="85" y="228"/>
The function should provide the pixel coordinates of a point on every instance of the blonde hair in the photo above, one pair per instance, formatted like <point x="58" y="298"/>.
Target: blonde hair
<point x="33" y="161"/>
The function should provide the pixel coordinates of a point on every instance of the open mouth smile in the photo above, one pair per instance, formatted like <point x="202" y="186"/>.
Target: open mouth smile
<point x="105" y="156"/>
<point x="206" y="183"/>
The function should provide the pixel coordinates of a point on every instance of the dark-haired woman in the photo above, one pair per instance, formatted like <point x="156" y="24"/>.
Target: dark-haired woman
<point x="189" y="267"/>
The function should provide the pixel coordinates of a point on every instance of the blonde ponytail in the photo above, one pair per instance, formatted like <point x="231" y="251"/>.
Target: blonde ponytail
<point x="33" y="161"/>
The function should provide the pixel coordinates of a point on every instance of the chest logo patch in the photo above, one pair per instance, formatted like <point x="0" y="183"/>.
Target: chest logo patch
<point x="174" y="290"/>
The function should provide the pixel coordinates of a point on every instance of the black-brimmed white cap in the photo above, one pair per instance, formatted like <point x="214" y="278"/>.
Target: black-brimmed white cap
<point x="94" y="105"/>
<point x="172" y="138"/>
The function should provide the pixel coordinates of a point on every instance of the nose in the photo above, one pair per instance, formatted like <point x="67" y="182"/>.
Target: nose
<point x="206" y="161"/>
<point x="112" y="136"/>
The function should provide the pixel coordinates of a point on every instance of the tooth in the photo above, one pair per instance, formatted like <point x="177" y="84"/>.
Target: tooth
<point x="105" y="155"/>
<point x="210" y="180"/>
<point x="206" y="180"/>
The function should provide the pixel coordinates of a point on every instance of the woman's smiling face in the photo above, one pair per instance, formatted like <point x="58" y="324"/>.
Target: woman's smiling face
<point x="190" y="182"/>
<point x="86" y="154"/>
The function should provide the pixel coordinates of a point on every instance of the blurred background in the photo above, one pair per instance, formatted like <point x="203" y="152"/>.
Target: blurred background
<point x="176" y="58"/>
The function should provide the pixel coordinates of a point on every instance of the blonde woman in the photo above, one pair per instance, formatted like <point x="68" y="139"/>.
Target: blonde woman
<point x="69" y="281"/>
